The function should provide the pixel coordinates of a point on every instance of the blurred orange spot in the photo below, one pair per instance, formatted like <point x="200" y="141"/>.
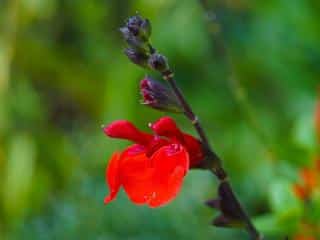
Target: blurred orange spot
<point x="309" y="181"/>
<point x="309" y="177"/>
<point x="301" y="192"/>
<point x="303" y="237"/>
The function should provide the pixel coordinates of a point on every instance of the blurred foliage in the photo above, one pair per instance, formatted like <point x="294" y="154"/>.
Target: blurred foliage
<point x="63" y="74"/>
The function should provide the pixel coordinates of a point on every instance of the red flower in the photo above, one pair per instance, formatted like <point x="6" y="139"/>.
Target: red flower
<point x="152" y="170"/>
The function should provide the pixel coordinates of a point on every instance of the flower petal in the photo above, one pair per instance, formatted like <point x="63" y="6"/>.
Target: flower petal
<point x="170" y="164"/>
<point x="126" y="130"/>
<point x="156" y="144"/>
<point x="167" y="191"/>
<point x="194" y="149"/>
<point x="136" y="175"/>
<point x="167" y="158"/>
<point x="112" y="177"/>
<point x="167" y="127"/>
<point x="139" y="190"/>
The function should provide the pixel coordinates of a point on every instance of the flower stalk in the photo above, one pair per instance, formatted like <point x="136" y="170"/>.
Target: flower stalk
<point x="213" y="161"/>
<point x="232" y="213"/>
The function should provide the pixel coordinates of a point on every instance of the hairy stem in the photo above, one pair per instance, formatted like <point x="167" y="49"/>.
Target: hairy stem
<point x="213" y="161"/>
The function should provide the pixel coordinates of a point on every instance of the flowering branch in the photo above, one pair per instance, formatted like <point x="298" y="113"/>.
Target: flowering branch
<point x="137" y="32"/>
<point x="213" y="161"/>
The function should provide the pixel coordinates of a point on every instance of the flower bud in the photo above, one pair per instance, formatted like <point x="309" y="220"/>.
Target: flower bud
<point x="136" y="32"/>
<point x="158" y="96"/>
<point x="158" y="62"/>
<point x="137" y="57"/>
<point x="133" y="41"/>
<point x="146" y="28"/>
<point x="139" y="27"/>
<point x="134" y="23"/>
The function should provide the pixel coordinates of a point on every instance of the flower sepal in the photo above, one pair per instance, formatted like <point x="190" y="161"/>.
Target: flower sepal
<point x="230" y="213"/>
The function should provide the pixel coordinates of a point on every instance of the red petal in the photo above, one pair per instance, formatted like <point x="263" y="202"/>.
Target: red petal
<point x="133" y="150"/>
<point x="167" y="127"/>
<point x="170" y="163"/>
<point x="134" y="167"/>
<point x="156" y="144"/>
<point x="168" y="190"/>
<point x="125" y="130"/>
<point x="167" y="158"/>
<point x="194" y="149"/>
<point x="136" y="175"/>
<point x="112" y="177"/>
<point x="138" y="190"/>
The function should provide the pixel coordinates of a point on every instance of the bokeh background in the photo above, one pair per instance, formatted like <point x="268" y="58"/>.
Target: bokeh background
<point x="63" y="74"/>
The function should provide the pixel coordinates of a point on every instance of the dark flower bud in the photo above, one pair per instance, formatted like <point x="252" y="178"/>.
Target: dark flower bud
<point x="137" y="57"/>
<point x="133" y="41"/>
<point x="158" y="96"/>
<point x="125" y="33"/>
<point x="137" y="29"/>
<point x="134" y="23"/>
<point x="146" y="28"/>
<point x="158" y="62"/>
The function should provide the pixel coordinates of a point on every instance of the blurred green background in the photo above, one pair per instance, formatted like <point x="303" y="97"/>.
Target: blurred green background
<point x="63" y="74"/>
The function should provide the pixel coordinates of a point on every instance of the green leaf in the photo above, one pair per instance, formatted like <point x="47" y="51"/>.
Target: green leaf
<point x="18" y="175"/>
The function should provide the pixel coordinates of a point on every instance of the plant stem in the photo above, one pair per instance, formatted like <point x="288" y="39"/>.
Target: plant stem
<point x="213" y="161"/>
<point x="214" y="158"/>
